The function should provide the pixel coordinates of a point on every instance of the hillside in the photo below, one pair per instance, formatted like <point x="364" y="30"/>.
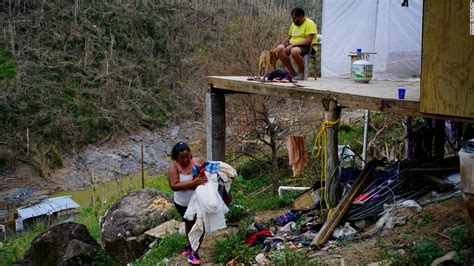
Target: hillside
<point x="77" y="73"/>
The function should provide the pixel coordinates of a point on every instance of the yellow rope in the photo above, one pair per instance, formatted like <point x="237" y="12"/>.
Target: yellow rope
<point x="320" y="142"/>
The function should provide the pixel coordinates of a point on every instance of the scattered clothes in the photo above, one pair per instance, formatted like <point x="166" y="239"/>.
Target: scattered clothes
<point x="287" y="217"/>
<point x="306" y="236"/>
<point x="258" y="238"/>
<point x="273" y="243"/>
<point x="346" y="232"/>
<point x="279" y="74"/>
<point x="291" y="226"/>
<point x="297" y="153"/>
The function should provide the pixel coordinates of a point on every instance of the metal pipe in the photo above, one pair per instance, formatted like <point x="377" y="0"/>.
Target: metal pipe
<point x="280" y="188"/>
<point x="366" y="129"/>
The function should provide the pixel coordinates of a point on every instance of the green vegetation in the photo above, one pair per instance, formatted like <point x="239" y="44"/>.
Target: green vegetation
<point x="351" y="135"/>
<point x="14" y="249"/>
<point x="286" y="256"/>
<point x="168" y="247"/>
<point x="232" y="247"/>
<point x="74" y="73"/>
<point x="426" y="219"/>
<point x="425" y="252"/>
<point x="386" y="254"/>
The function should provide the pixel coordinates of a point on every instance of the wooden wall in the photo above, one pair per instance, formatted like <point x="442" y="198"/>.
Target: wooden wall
<point x="447" y="76"/>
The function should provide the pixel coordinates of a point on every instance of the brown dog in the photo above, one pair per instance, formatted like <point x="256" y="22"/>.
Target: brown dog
<point x="267" y="59"/>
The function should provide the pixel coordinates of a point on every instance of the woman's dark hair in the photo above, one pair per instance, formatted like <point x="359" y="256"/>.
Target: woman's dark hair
<point x="297" y="12"/>
<point x="179" y="147"/>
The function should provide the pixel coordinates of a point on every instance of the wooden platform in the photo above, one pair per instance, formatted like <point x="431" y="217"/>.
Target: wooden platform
<point x="376" y="95"/>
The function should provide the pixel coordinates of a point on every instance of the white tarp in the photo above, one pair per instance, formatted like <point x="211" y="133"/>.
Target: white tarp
<point x="381" y="26"/>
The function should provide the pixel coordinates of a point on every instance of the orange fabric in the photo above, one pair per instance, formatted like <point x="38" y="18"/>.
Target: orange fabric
<point x="297" y="154"/>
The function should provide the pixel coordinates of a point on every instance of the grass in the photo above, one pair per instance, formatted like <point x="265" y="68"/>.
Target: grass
<point x="14" y="249"/>
<point x="232" y="247"/>
<point x="385" y="254"/>
<point x="426" y="219"/>
<point x="287" y="256"/>
<point x="168" y="247"/>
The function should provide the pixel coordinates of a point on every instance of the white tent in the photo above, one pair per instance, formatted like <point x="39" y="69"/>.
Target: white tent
<point x="381" y="26"/>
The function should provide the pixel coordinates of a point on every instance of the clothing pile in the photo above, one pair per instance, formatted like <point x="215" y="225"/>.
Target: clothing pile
<point x="207" y="204"/>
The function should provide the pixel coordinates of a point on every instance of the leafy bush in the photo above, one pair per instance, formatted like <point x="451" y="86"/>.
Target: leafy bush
<point x="426" y="252"/>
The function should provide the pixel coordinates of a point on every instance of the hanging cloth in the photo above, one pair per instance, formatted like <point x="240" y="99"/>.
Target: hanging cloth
<point x="297" y="154"/>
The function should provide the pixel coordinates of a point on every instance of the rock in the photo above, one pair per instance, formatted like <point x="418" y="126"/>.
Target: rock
<point x="443" y="259"/>
<point x="164" y="229"/>
<point x="123" y="227"/>
<point x="64" y="244"/>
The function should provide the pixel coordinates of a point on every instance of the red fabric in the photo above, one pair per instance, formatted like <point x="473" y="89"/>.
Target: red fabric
<point x="249" y="241"/>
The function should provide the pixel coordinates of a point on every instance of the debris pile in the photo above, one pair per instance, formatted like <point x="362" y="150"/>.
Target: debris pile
<point x="378" y="198"/>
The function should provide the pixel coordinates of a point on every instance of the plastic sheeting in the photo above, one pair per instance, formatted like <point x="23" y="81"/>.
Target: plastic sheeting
<point x="381" y="26"/>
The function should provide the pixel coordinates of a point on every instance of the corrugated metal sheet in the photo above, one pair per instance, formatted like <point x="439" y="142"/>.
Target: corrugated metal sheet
<point x="48" y="206"/>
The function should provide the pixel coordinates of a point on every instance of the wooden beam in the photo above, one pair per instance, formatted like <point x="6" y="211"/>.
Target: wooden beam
<point x="215" y="126"/>
<point x="375" y="96"/>
<point x="338" y="213"/>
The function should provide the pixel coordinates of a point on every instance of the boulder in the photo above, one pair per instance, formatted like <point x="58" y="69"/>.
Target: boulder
<point x="64" y="244"/>
<point x="123" y="227"/>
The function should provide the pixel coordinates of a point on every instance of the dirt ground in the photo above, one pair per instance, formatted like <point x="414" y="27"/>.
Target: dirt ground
<point x="442" y="218"/>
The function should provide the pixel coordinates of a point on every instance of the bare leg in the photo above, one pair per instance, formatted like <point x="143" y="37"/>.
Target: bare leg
<point x="188" y="225"/>
<point x="296" y="54"/>
<point x="284" y="57"/>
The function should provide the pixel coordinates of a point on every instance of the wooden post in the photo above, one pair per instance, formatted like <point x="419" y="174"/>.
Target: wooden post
<point x="143" y="170"/>
<point x="407" y="125"/>
<point x="333" y="113"/>
<point x="215" y="125"/>
<point x="439" y="138"/>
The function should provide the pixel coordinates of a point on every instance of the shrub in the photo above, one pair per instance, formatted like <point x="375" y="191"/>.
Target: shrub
<point x="426" y="252"/>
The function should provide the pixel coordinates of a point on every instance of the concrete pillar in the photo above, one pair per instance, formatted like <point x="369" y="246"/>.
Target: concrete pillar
<point x="215" y="126"/>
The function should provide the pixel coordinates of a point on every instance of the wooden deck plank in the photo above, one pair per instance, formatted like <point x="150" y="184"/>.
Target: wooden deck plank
<point x="376" y="95"/>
